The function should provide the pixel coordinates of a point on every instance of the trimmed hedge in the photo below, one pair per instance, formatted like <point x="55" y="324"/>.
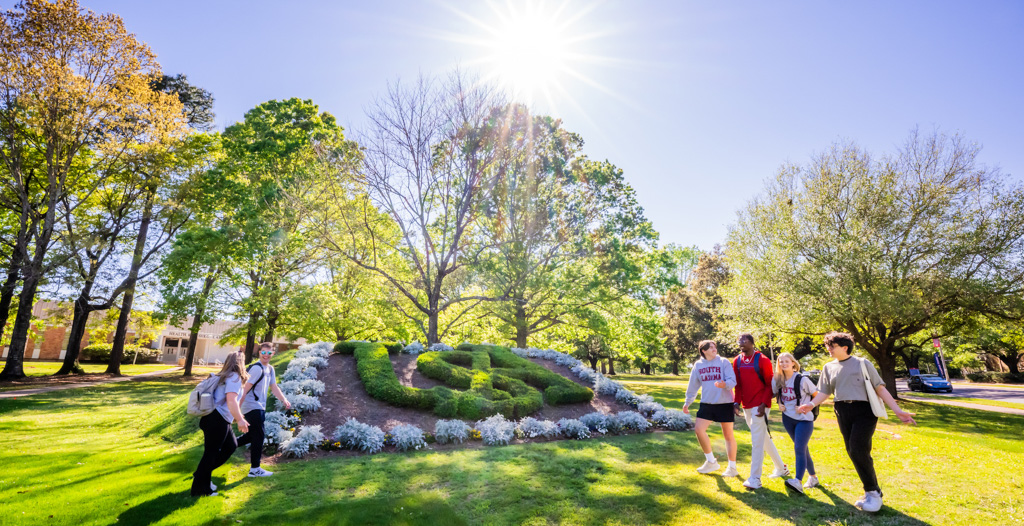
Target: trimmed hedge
<point x="558" y="389"/>
<point x="349" y="347"/>
<point x="100" y="352"/>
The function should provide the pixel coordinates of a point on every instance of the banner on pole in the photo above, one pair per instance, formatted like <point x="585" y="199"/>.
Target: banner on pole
<point x="939" y="366"/>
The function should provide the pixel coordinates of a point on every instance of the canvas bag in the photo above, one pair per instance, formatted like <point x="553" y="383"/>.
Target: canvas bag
<point x="877" y="407"/>
<point x="200" y="400"/>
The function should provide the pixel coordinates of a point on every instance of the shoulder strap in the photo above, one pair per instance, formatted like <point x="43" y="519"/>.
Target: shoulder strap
<point x="262" y="373"/>
<point x="798" y="387"/>
<point x="757" y="367"/>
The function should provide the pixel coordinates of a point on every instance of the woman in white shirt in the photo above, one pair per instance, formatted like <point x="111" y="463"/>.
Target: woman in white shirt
<point x="800" y="426"/>
<point x="218" y="438"/>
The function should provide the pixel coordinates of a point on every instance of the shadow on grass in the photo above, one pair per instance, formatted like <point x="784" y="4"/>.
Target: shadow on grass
<point x="154" y="510"/>
<point x="405" y="510"/>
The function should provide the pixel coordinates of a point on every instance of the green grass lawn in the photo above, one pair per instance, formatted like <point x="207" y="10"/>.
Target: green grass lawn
<point x="980" y="401"/>
<point x="123" y="453"/>
<point x="47" y="368"/>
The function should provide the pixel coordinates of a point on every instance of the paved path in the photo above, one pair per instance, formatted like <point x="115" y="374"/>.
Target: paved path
<point x="967" y="390"/>
<point x="61" y="387"/>
<point x="970" y="405"/>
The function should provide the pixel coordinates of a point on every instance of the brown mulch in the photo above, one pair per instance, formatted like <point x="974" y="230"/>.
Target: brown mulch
<point x="345" y="397"/>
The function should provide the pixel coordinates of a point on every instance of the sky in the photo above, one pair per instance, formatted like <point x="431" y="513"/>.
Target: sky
<point x="698" y="102"/>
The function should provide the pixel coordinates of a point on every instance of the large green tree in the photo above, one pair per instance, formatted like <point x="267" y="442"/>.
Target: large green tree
<point x="883" y="248"/>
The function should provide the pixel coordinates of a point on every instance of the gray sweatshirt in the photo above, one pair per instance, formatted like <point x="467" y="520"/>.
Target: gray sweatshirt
<point x="703" y="377"/>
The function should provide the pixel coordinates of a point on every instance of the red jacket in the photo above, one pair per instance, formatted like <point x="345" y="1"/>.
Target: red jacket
<point x="750" y="391"/>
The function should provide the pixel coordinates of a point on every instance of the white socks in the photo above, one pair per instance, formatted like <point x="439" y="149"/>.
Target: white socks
<point x="710" y="457"/>
<point x="732" y="463"/>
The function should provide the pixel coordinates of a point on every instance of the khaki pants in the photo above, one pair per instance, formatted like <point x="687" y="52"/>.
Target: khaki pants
<point x="759" y="442"/>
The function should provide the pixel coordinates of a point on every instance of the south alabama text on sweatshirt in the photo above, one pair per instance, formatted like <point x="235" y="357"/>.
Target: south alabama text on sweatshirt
<point x="703" y="377"/>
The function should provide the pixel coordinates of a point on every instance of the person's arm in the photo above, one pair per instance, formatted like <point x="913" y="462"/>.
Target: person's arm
<point x="691" y="389"/>
<point x="730" y="377"/>
<point x="817" y="400"/>
<point x="736" y="399"/>
<point x="904" y="416"/>
<point x="280" y="395"/>
<point x="232" y="399"/>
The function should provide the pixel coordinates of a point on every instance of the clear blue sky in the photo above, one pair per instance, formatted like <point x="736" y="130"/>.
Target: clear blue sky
<point x="699" y="102"/>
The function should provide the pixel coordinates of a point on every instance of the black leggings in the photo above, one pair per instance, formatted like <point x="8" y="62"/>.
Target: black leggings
<point x="857" y="424"/>
<point x="218" y="445"/>
<point x="255" y="435"/>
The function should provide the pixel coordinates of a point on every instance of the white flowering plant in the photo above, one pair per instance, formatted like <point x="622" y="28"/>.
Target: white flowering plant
<point x="406" y="437"/>
<point x="572" y="428"/>
<point x="446" y="431"/>
<point x="496" y="430"/>
<point x="303" y="442"/>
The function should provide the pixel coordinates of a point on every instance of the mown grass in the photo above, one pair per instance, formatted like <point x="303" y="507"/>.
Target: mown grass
<point x="123" y="453"/>
<point x="48" y="368"/>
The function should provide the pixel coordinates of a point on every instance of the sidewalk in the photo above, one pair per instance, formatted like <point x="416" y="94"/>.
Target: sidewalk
<point x="969" y="405"/>
<point x="983" y="384"/>
<point x="49" y="388"/>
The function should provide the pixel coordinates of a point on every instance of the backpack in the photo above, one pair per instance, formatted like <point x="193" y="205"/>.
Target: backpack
<point x="200" y="400"/>
<point x="798" y="380"/>
<point x="760" y="374"/>
<point x="263" y="373"/>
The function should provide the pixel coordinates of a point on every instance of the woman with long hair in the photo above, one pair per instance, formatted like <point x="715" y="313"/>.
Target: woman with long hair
<point x="713" y="376"/>
<point x="218" y="438"/>
<point x="800" y="426"/>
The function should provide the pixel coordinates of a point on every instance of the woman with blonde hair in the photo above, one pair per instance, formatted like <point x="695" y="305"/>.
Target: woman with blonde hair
<point x="218" y="438"/>
<point x="791" y="389"/>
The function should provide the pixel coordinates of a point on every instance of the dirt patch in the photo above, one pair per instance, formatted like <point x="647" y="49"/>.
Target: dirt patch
<point x="345" y="397"/>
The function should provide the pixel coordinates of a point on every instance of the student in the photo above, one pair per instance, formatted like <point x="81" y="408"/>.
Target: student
<point x="843" y="378"/>
<point x="218" y="439"/>
<point x="254" y="405"/>
<point x="798" y="425"/>
<point x="754" y="394"/>
<point x="714" y="377"/>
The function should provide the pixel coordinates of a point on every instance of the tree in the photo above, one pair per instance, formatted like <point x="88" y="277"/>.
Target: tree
<point x="692" y="313"/>
<point x="428" y="157"/>
<point x="74" y="94"/>
<point x="882" y="249"/>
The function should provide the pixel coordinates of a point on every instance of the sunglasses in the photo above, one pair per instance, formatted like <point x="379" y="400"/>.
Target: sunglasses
<point x="267" y="352"/>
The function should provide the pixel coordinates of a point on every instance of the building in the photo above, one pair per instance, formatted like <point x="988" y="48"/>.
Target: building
<point x="172" y="342"/>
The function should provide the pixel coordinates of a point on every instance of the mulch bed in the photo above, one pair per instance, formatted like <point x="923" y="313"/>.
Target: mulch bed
<point x="345" y="397"/>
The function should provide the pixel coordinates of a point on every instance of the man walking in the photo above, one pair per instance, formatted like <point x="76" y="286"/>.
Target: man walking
<point x="254" y="406"/>
<point x="754" y="396"/>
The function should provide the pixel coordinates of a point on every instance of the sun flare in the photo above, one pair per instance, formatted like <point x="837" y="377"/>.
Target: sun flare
<point x="530" y="50"/>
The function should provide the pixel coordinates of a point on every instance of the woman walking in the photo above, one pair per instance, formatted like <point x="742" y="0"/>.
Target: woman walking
<point x="845" y="378"/>
<point x="218" y="438"/>
<point x="791" y="388"/>
<point x="713" y="376"/>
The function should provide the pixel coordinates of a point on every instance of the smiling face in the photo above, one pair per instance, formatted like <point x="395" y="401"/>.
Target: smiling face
<point x="266" y="353"/>
<point x="786" y="363"/>
<point x="711" y="352"/>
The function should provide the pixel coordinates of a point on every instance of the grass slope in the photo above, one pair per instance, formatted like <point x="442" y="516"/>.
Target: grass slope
<point x="123" y="453"/>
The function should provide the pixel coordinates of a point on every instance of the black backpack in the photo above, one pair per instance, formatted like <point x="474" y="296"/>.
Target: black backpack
<point x="798" y="380"/>
<point x="262" y="373"/>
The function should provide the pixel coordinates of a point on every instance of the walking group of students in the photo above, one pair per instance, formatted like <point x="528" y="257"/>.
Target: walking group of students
<point x="747" y="386"/>
<point x="240" y="397"/>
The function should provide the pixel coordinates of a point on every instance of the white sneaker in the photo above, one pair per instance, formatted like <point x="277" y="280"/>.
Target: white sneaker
<point x="709" y="467"/>
<point x="872" y="501"/>
<point x="260" y="472"/>
<point x="213" y="487"/>
<point x="731" y="471"/>
<point x="778" y="473"/>
<point x="812" y="482"/>
<point x="752" y="483"/>
<point x="860" y="502"/>
<point x="795" y="485"/>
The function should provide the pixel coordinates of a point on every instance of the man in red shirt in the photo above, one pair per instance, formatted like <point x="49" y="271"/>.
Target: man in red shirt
<point x="754" y="394"/>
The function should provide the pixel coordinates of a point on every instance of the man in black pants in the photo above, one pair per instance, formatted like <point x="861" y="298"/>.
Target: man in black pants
<point x="844" y="378"/>
<point x="254" y="406"/>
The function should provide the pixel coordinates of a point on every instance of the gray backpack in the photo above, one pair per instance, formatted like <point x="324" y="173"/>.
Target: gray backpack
<point x="200" y="401"/>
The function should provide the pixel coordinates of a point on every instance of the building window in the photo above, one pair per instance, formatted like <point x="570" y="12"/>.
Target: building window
<point x="171" y="342"/>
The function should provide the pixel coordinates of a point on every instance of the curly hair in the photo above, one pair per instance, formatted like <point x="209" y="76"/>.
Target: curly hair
<point x="842" y="339"/>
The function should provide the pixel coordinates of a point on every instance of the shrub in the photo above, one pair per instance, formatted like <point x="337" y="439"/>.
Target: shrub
<point x="533" y="428"/>
<point x="306" y="386"/>
<point x="303" y="442"/>
<point x="347" y="347"/>
<point x="446" y="431"/>
<point x="613" y="424"/>
<point x="442" y="367"/>
<point x="495" y="430"/>
<point x="414" y="348"/>
<point x="276" y="435"/>
<point x="354" y="434"/>
<point x="596" y="422"/>
<point x="279" y="419"/>
<point x="673" y="420"/>
<point x="100" y="352"/>
<point x="304" y="403"/>
<point x="406" y="437"/>
<point x="575" y="429"/>
<point x="314" y="350"/>
<point x="996" y="377"/>
<point x="633" y="421"/>
<point x="607" y="387"/>
<point x="393" y="347"/>
<point x="649" y="408"/>
<point x="440" y="347"/>
<point x="584" y="373"/>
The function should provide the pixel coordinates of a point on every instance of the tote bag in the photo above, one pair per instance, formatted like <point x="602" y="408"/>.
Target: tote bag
<point x="877" y="407"/>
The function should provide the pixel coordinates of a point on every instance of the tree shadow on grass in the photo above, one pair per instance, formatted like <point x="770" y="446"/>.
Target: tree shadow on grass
<point x="156" y="509"/>
<point x="801" y="509"/>
<point x="404" y="510"/>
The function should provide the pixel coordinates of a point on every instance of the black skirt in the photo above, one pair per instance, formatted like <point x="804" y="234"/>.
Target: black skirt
<point x="717" y="412"/>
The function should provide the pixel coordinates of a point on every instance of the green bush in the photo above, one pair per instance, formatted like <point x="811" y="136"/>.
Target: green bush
<point x="558" y="389"/>
<point x="341" y="347"/>
<point x="393" y="347"/>
<point x="100" y="353"/>
<point x="996" y="377"/>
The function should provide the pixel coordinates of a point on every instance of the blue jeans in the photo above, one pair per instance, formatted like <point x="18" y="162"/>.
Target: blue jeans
<point x="800" y="431"/>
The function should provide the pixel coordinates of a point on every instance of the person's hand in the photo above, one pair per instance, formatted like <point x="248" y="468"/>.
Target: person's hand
<point x="243" y="426"/>
<point x="906" y="417"/>
<point x="686" y="409"/>
<point x="737" y="410"/>
<point x="287" y="405"/>
<point x="760" y="411"/>
<point x="720" y="384"/>
<point x="804" y="409"/>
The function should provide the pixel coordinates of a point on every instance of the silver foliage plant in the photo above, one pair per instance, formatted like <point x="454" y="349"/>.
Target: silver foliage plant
<point x="413" y="348"/>
<point x="572" y="428"/>
<point x="306" y="386"/>
<point x="304" y="403"/>
<point x="533" y="428"/>
<point x="596" y="422"/>
<point x="496" y="430"/>
<point x="448" y="431"/>
<point x="407" y="436"/>
<point x="354" y="434"/>
<point x="303" y="390"/>
<point x="633" y="420"/>
<point x="303" y="442"/>
<point x="649" y="408"/>
<point x="673" y="420"/>
<point x="440" y="347"/>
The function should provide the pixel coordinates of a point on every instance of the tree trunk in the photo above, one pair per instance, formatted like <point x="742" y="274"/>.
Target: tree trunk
<point x="78" y="322"/>
<point x="250" y="335"/>
<point x="604" y="368"/>
<point x="432" y="328"/>
<point x="197" y="323"/>
<point x="675" y="367"/>
<point x="117" y="351"/>
<point x="272" y="318"/>
<point x="522" y="327"/>
<point x="887" y="369"/>
<point x="611" y="366"/>
<point x="1012" y="361"/>
<point x="15" y="367"/>
<point x="593" y="361"/>
<point x="7" y="290"/>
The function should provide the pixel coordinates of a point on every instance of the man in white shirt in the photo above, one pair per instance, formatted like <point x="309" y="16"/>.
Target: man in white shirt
<point x="254" y="406"/>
